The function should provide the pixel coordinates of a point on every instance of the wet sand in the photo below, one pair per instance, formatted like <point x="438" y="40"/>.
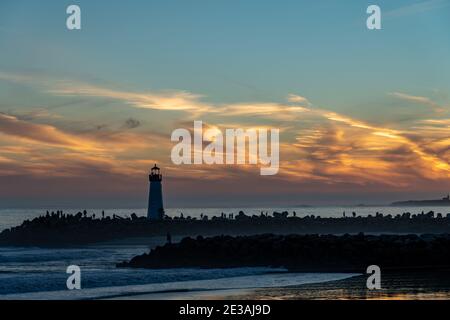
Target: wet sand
<point x="395" y="286"/>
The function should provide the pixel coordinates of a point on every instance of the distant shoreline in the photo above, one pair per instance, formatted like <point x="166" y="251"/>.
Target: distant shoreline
<point x="445" y="202"/>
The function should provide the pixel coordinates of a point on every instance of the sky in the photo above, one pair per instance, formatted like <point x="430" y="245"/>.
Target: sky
<point x="364" y="115"/>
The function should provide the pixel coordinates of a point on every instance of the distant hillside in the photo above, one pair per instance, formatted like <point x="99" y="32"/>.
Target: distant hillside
<point x="416" y="203"/>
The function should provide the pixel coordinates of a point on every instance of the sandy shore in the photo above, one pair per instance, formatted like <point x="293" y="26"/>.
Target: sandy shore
<point x="395" y="286"/>
<point x="194" y="295"/>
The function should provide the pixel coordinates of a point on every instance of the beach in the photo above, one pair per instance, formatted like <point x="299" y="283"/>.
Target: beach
<point x="395" y="286"/>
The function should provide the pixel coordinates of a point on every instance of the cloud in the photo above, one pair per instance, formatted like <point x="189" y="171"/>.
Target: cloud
<point x="19" y="78"/>
<point x="186" y="102"/>
<point x="12" y="126"/>
<point x="347" y="149"/>
<point x="44" y="150"/>
<point x="265" y="110"/>
<point x="132" y="123"/>
<point x="298" y="99"/>
<point x="317" y="145"/>
<point x="169" y="101"/>
<point x="419" y="100"/>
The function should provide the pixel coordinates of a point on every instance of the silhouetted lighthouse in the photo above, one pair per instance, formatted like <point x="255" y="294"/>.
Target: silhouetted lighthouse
<point x="155" y="203"/>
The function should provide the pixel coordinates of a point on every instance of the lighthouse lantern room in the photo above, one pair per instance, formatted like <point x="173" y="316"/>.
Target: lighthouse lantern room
<point x="155" y="202"/>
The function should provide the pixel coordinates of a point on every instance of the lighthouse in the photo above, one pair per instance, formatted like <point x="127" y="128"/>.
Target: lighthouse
<point x="155" y="203"/>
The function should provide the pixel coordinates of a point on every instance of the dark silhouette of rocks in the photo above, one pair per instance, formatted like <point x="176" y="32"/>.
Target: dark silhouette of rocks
<point x="315" y="253"/>
<point x="59" y="229"/>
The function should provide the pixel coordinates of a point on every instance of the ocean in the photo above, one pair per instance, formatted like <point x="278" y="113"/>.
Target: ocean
<point x="38" y="273"/>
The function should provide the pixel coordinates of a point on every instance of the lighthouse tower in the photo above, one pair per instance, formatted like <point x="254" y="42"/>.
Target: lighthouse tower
<point x="155" y="203"/>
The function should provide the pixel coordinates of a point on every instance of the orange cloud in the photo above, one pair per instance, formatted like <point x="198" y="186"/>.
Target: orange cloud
<point x="12" y="126"/>
<point x="317" y="144"/>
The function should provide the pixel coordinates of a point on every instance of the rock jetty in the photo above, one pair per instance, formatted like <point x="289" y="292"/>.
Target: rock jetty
<point x="307" y="253"/>
<point x="60" y="229"/>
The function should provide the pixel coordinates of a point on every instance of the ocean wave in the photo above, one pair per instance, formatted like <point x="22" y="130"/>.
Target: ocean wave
<point x="27" y="255"/>
<point x="268" y="280"/>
